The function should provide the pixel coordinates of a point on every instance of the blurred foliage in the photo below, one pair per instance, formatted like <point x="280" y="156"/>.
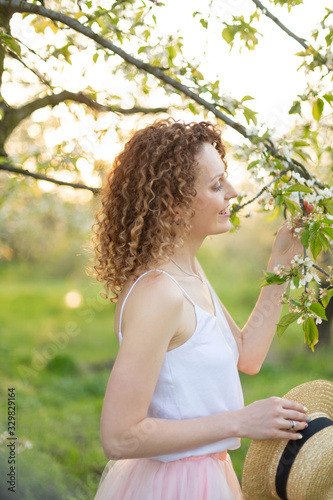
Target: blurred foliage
<point x="40" y="227"/>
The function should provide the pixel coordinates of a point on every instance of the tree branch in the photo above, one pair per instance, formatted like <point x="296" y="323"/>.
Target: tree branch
<point x="10" y="168"/>
<point x="34" y="71"/>
<point x="281" y="174"/>
<point x="278" y="23"/>
<point x="22" y="6"/>
<point x="13" y="116"/>
<point x="321" y="270"/>
<point x="65" y="95"/>
<point x="290" y="33"/>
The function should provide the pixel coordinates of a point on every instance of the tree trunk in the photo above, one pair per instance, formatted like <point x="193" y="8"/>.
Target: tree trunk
<point x="5" y="16"/>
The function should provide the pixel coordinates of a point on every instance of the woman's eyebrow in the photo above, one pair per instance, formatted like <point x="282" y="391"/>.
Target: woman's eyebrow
<point x="217" y="176"/>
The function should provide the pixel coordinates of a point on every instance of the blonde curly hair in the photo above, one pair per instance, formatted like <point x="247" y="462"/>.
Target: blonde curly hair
<point x="152" y="180"/>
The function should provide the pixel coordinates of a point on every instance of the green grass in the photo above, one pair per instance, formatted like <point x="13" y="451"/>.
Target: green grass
<point x="59" y="360"/>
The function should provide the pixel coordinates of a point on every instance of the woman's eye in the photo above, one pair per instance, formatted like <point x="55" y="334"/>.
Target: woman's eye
<point x="218" y="188"/>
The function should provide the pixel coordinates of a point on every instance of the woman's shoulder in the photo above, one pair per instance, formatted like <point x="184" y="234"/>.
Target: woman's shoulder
<point x="152" y="311"/>
<point x="150" y="293"/>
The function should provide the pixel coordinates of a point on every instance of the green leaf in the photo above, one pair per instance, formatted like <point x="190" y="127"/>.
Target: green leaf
<point x="250" y="115"/>
<point x="279" y="200"/>
<point x="325" y="243"/>
<point x="138" y="15"/>
<point x="11" y="43"/>
<point x="314" y="229"/>
<point x="315" y="247"/>
<point x="292" y="206"/>
<point x="299" y="144"/>
<point x="191" y="107"/>
<point x="247" y="98"/>
<point x="317" y="109"/>
<point x="172" y="51"/>
<point x="252" y="164"/>
<point x="295" y="108"/>
<point x="234" y="219"/>
<point x="204" y="23"/>
<point x="95" y="57"/>
<point x="273" y="280"/>
<point x="299" y="187"/>
<point x="329" y="294"/>
<point x="327" y="221"/>
<point x="328" y="203"/>
<point x="328" y="98"/>
<point x="296" y="281"/>
<point x="305" y="238"/>
<point x="318" y="309"/>
<point x="328" y="231"/>
<point x="310" y="332"/>
<point x="228" y="35"/>
<point x="285" y="321"/>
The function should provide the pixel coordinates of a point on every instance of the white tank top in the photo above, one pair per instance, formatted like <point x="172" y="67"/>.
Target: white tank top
<point x="198" y="378"/>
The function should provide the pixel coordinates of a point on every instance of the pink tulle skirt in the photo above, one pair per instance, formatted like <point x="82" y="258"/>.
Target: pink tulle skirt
<point x="206" y="477"/>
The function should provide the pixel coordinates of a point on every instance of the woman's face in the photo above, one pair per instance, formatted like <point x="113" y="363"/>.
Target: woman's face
<point x="214" y="193"/>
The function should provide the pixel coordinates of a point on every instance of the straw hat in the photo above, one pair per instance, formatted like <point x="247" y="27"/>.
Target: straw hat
<point x="302" y="469"/>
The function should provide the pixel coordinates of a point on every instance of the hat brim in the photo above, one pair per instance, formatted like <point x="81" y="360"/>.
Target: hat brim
<point x="263" y="456"/>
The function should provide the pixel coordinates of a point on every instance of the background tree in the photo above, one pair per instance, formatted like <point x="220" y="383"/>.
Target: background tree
<point x="125" y="36"/>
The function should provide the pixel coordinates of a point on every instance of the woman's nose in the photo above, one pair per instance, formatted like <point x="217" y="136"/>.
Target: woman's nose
<point x="232" y="193"/>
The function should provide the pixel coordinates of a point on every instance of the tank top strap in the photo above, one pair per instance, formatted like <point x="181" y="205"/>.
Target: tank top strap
<point x="136" y="281"/>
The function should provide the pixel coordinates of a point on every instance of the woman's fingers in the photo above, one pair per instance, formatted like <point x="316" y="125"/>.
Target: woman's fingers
<point x="289" y="424"/>
<point x="289" y="404"/>
<point x="291" y="436"/>
<point x="295" y="415"/>
<point x="274" y="418"/>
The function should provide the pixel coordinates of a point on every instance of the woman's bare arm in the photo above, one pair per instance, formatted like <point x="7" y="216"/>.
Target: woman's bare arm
<point x="255" y="338"/>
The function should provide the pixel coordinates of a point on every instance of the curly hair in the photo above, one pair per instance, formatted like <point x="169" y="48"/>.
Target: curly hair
<point x="152" y="180"/>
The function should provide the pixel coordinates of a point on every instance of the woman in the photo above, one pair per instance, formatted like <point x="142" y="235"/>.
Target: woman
<point x="173" y="404"/>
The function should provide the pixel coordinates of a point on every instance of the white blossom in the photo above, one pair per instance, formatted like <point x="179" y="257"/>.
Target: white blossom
<point x="297" y="176"/>
<point x="306" y="279"/>
<point x="311" y="198"/>
<point x="308" y="262"/>
<point x="315" y="275"/>
<point x="229" y="103"/>
<point x="287" y="151"/>
<point x="279" y="270"/>
<point x="253" y="130"/>
<point x="297" y="259"/>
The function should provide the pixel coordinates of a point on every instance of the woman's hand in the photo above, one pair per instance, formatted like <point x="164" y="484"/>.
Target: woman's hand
<point x="287" y="244"/>
<point x="271" y="419"/>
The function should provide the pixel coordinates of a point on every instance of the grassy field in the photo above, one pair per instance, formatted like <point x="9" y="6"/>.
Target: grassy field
<point x="58" y="359"/>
